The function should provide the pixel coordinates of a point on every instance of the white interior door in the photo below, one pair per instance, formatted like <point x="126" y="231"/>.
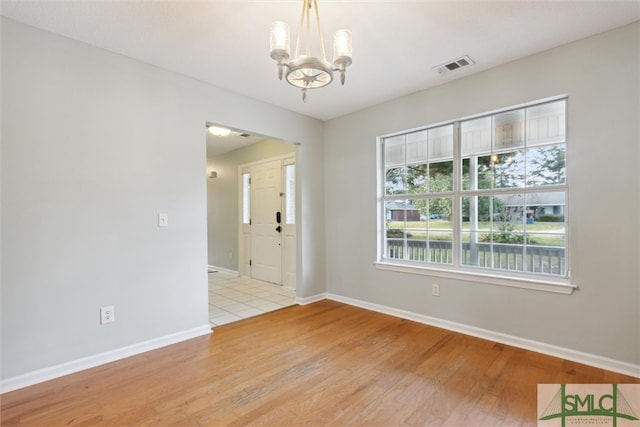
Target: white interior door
<point x="266" y="222"/>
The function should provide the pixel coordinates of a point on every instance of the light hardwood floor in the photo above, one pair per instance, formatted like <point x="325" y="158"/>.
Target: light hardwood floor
<point x="324" y="364"/>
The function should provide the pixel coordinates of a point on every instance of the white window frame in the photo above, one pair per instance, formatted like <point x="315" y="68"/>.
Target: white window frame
<point x="528" y="280"/>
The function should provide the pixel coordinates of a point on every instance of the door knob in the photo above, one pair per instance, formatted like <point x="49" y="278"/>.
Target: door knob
<point x="278" y="229"/>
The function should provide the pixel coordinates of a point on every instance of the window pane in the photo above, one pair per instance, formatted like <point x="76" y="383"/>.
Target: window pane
<point x="416" y="214"/>
<point x="507" y="232"/>
<point x="476" y="222"/>
<point x="475" y="136"/>
<point x="508" y="216"/>
<point x="546" y="165"/>
<point x="439" y="230"/>
<point x="417" y="150"/>
<point x="395" y="243"/>
<point x="417" y="178"/>
<point x="395" y="213"/>
<point x="416" y="232"/>
<point x="441" y="143"/>
<point x="546" y="240"/>
<point x="546" y="253"/>
<point x="440" y="247"/>
<point x="476" y="212"/>
<point x="290" y="194"/>
<point x="508" y="170"/>
<point x="427" y="178"/>
<point x="508" y="256"/>
<point x="439" y="213"/>
<point x="394" y="151"/>
<point x="441" y="177"/>
<point x="477" y="173"/>
<point x="395" y="230"/>
<point x="509" y="130"/>
<point x="547" y="208"/>
<point x="473" y="252"/>
<point x="246" y="198"/>
<point x="394" y="183"/>
<point x="546" y="123"/>
<point x="546" y="233"/>
<point x="420" y="230"/>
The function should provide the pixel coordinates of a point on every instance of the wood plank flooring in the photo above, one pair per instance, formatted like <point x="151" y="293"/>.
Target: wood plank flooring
<point x="324" y="364"/>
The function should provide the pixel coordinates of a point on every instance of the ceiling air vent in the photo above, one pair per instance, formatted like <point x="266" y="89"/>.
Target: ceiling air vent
<point x="456" y="64"/>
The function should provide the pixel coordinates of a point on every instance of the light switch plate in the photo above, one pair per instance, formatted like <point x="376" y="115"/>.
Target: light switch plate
<point x="163" y="220"/>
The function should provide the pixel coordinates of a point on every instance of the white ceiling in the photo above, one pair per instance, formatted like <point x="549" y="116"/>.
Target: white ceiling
<point x="395" y="43"/>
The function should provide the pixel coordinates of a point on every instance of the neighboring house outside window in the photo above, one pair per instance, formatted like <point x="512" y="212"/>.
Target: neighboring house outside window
<point x="485" y="195"/>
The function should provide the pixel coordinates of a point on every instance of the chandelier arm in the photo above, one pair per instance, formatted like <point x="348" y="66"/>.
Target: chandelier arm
<point x="324" y="55"/>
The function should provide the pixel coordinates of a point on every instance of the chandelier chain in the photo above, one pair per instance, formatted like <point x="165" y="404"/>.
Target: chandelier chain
<point x="324" y="55"/>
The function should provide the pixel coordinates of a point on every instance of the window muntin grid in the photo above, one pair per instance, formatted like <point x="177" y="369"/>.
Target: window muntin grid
<point x="485" y="193"/>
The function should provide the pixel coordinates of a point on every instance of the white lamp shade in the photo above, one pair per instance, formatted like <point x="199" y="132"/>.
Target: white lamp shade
<point x="342" y="44"/>
<point x="280" y="36"/>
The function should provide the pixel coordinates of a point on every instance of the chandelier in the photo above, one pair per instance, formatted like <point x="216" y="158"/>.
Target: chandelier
<point x="304" y="70"/>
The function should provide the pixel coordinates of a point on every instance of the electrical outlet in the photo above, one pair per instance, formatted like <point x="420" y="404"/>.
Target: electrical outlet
<point x="107" y="315"/>
<point x="435" y="290"/>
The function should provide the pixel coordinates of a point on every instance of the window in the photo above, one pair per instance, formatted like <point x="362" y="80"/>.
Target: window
<point x="246" y="198"/>
<point x="290" y="193"/>
<point x="479" y="196"/>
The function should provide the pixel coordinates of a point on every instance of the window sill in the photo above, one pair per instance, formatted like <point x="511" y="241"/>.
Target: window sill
<point x="559" y="286"/>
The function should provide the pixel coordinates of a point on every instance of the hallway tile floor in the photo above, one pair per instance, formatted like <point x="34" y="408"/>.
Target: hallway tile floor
<point x="233" y="298"/>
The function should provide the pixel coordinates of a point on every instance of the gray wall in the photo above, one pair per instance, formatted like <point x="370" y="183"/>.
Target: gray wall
<point x="600" y="76"/>
<point x="94" y="146"/>
<point x="223" y="196"/>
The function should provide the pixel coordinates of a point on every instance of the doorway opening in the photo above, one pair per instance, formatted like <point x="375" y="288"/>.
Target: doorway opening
<point x="251" y="222"/>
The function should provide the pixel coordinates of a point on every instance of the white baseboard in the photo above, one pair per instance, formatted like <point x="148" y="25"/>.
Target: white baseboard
<point x="539" y="347"/>
<point x="213" y="267"/>
<point x="46" y="374"/>
<point x="73" y="366"/>
<point x="311" y="299"/>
